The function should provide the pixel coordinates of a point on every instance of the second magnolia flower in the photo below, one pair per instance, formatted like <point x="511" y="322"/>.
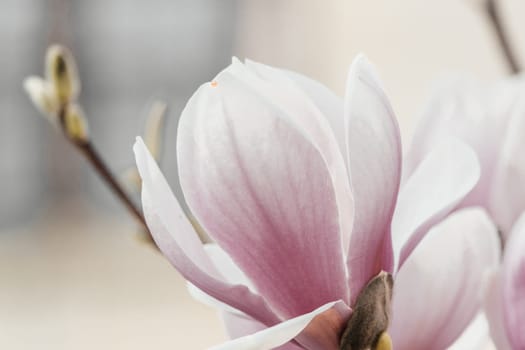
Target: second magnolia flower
<point x="300" y="193"/>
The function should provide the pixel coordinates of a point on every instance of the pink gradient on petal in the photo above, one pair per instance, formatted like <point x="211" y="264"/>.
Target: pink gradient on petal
<point x="178" y="241"/>
<point x="242" y="325"/>
<point x="262" y="190"/>
<point x="489" y="118"/>
<point x="324" y="331"/>
<point x="374" y="160"/>
<point x="437" y="292"/>
<point x="330" y="104"/>
<point x="440" y="182"/>
<point x="287" y="331"/>
<point x="513" y="285"/>
<point x="493" y="304"/>
<point x="507" y="197"/>
<point x="304" y="113"/>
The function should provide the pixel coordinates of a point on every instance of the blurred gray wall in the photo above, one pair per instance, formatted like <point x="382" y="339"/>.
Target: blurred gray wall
<point x="128" y="53"/>
<point x="22" y="137"/>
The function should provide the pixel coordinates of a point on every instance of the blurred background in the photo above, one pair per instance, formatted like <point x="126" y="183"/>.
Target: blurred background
<point x="73" y="271"/>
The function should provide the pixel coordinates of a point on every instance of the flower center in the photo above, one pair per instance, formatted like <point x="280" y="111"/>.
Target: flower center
<point x="366" y="328"/>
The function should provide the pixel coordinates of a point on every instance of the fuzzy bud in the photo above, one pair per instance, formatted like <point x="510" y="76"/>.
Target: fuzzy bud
<point x="42" y="96"/>
<point x="75" y="124"/>
<point x="61" y="73"/>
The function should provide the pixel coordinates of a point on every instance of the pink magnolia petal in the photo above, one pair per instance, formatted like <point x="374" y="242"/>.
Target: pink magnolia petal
<point x="475" y="337"/>
<point x="278" y="335"/>
<point x="454" y="107"/>
<point x="493" y="305"/>
<point x="513" y="285"/>
<point x="508" y="192"/>
<point x="206" y="299"/>
<point x="232" y="274"/>
<point x="178" y="241"/>
<point x="438" y="290"/>
<point x="304" y="113"/>
<point x="330" y="105"/>
<point x="374" y="158"/>
<point x="442" y="106"/>
<point x="262" y="190"/>
<point x="226" y="266"/>
<point x="324" y="331"/>
<point x="474" y="112"/>
<point x="441" y="181"/>
<point x="240" y="325"/>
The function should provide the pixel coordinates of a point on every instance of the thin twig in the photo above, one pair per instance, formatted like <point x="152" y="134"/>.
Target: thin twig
<point x="497" y="24"/>
<point x="101" y="168"/>
<point x="89" y="152"/>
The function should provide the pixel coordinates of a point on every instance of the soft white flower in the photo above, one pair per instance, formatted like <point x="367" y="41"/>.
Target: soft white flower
<point x="491" y="119"/>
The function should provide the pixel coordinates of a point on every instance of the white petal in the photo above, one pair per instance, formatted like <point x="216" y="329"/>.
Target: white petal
<point x="493" y="301"/>
<point x="210" y="301"/>
<point x="440" y="182"/>
<point x="232" y="274"/>
<point x="508" y="192"/>
<point x="374" y="160"/>
<point x="275" y="336"/>
<point x="330" y="105"/>
<point x="226" y="266"/>
<point x="513" y="285"/>
<point x="475" y="337"/>
<point x="240" y="325"/>
<point x="179" y="242"/>
<point x="438" y="290"/>
<point x="473" y="111"/>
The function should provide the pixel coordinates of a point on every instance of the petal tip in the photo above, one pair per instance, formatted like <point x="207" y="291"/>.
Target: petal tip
<point x="363" y="68"/>
<point x="361" y="59"/>
<point x="138" y="147"/>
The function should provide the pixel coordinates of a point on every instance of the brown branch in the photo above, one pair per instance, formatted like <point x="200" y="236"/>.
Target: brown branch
<point x="504" y="43"/>
<point x="87" y="149"/>
<point x="101" y="168"/>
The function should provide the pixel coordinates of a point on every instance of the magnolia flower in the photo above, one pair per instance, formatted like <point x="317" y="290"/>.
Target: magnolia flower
<point x="300" y="193"/>
<point x="505" y="301"/>
<point x="491" y="119"/>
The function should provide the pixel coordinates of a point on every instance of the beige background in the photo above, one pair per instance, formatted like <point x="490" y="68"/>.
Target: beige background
<point x="75" y="277"/>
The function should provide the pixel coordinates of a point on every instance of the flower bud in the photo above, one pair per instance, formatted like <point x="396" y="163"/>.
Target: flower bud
<point x="42" y="96"/>
<point x="366" y="328"/>
<point x="75" y="124"/>
<point x="61" y="72"/>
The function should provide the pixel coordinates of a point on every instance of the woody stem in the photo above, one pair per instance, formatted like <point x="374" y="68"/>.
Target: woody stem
<point x="89" y="152"/>
<point x="494" y="15"/>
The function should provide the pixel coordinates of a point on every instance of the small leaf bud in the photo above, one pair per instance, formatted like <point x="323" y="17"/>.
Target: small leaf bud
<point x="61" y="72"/>
<point x="42" y="96"/>
<point x="75" y="124"/>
